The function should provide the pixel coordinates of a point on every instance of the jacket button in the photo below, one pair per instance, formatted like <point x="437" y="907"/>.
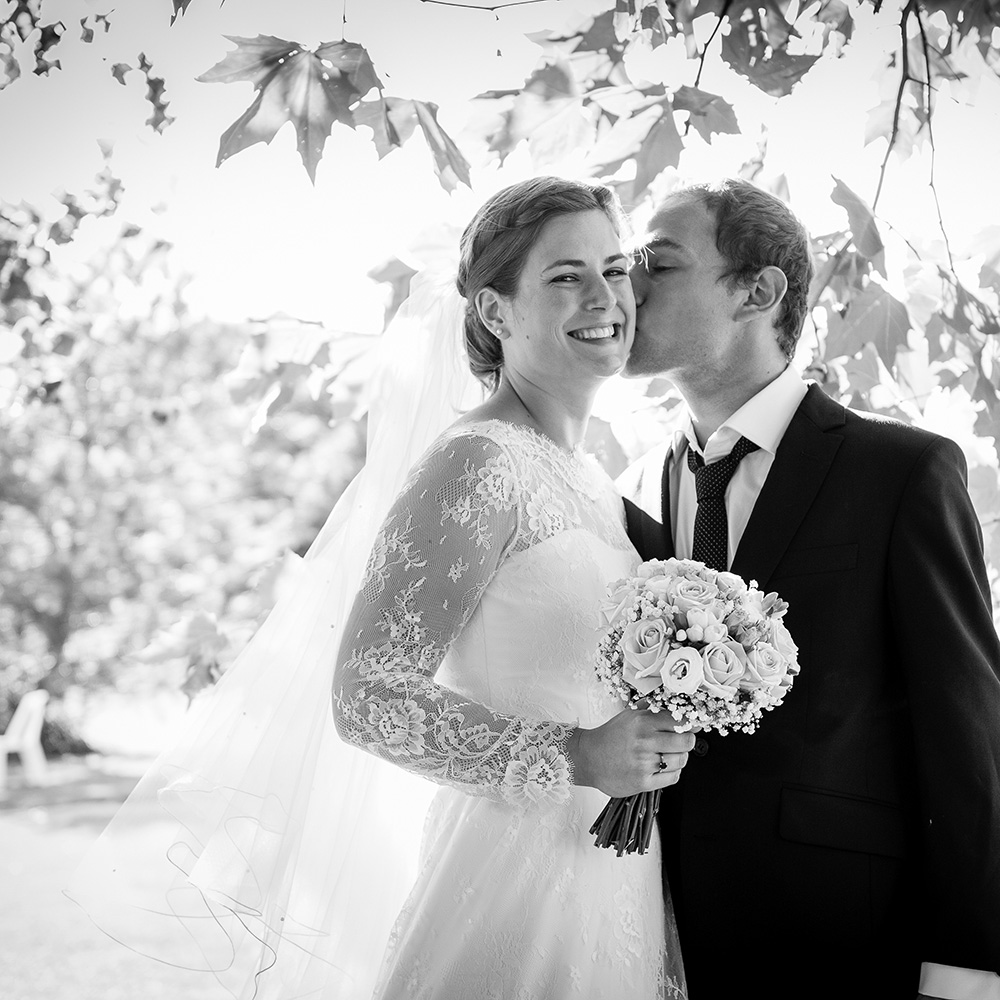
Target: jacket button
<point x="700" y="747"/>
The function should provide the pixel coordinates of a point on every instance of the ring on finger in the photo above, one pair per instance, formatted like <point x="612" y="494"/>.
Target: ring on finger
<point x="663" y="762"/>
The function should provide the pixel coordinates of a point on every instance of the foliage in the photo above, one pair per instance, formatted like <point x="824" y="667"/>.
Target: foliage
<point x="898" y="324"/>
<point x="131" y="493"/>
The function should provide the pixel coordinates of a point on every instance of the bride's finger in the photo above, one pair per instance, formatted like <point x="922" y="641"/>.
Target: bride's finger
<point x="669" y="762"/>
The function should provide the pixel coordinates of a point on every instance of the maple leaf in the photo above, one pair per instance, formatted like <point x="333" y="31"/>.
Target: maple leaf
<point x="863" y="229"/>
<point x="964" y="312"/>
<point x="393" y="120"/>
<point x="48" y="38"/>
<point x="549" y="90"/>
<point x="835" y="15"/>
<point x="863" y="371"/>
<point x="10" y="70"/>
<point x="180" y="7"/>
<point x="155" y="86"/>
<point x="311" y="89"/>
<point x="25" y="17"/>
<point x="660" y="149"/>
<point x="118" y="71"/>
<point x="86" y="33"/>
<point x="981" y="15"/>
<point x="450" y="164"/>
<point x="650" y="21"/>
<point x="755" y="48"/>
<point x="987" y="243"/>
<point x="709" y="113"/>
<point x="872" y="317"/>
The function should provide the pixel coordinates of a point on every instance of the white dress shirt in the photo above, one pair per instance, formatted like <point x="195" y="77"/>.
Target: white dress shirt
<point x="763" y="419"/>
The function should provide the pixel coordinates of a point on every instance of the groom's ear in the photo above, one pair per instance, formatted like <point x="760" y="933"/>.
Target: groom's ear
<point x="765" y="292"/>
<point x="492" y="310"/>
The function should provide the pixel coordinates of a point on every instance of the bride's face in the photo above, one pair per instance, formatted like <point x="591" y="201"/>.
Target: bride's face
<point x="573" y="316"/>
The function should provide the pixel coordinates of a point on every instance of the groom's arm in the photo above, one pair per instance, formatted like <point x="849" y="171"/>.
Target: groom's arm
<point x="950" y="655"/>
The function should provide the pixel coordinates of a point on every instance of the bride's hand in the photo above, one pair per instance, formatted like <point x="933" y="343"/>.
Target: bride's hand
<point x="636" y="751"/>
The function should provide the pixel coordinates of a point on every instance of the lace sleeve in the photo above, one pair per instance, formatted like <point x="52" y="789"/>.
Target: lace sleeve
<point x="452" y="526"/>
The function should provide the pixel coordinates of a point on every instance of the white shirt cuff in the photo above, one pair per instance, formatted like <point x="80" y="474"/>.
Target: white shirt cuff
<point x="950" y="983"/>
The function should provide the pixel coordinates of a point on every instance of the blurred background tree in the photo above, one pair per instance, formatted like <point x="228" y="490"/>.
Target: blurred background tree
<point x="143" y="489"/>
<point x="156" y="460"/>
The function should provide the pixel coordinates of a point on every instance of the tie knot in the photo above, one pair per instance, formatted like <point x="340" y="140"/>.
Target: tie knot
<point x="711" y="480"/>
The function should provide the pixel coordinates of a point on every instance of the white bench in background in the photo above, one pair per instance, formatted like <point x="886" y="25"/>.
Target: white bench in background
<point x="24" y="737"/>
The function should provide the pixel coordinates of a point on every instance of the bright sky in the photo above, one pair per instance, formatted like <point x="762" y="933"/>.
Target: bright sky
<point x="260" y="239"/>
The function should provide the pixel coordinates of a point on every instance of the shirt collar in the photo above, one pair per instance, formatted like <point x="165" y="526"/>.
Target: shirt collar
<point x="763" y="419"/>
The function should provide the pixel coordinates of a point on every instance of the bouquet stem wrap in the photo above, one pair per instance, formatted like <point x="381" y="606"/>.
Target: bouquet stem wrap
<point x="627" y="824"/>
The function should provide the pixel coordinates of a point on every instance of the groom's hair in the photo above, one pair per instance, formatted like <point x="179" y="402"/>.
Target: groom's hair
<point x="496" y="244"/>
<point x="755" y="230"/>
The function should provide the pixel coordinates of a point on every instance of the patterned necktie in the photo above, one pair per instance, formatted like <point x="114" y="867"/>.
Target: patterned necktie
<point x="711" y="526"/>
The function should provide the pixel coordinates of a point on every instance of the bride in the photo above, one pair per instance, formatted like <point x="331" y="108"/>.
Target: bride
<point x="470" y="625"/>
<point x="468" y="653"/>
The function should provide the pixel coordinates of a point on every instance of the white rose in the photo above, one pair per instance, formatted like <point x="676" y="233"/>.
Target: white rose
<point x="730" y="582"/>
<point x="682" y="671"/>
<point x="768" y="664"/>
<point x="658" y="586"/>
<point x="783" y="642"/>
<point x="687" y="594"/>
<point x="644" y="645"/>
<point x="619" y="598"/>
<point x="651" y="567"/>
<point x="725" y="664"/>
<point x="752" y="603"/>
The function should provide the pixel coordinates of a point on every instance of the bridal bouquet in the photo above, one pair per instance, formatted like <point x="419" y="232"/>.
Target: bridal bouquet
<point x="695" y="642"/>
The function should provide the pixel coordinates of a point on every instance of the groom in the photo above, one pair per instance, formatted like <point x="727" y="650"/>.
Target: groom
<point x="850" y="847"/>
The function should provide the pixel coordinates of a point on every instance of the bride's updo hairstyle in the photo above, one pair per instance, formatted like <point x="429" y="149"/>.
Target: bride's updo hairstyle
<point x="497" y="241"/>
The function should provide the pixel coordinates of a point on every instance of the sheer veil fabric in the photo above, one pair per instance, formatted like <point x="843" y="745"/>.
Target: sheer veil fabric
<point x="260" y="848"/>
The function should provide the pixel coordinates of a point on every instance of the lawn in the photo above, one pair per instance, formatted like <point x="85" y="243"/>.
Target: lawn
<point x="49" y="950"/>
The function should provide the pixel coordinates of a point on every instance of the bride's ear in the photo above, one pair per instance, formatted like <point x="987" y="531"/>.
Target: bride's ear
<point x="492" y="310"/>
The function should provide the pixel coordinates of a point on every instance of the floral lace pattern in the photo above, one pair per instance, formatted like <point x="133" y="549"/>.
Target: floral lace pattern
<point x="473" y="502"/>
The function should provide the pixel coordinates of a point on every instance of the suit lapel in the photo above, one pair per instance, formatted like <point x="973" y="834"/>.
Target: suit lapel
<point x="801" y="463"/>
<point x="651" y="538"/>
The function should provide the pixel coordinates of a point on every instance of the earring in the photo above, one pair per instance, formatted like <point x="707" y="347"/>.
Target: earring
<point x="499" y="332"/>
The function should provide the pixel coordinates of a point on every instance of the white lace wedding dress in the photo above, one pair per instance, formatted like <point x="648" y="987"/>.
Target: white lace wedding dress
<point x="467" y="658"/>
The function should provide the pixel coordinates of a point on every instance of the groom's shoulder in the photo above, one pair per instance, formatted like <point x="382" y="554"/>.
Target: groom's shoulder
<point x="891" y="435"/>
<point x="876" y="431"/>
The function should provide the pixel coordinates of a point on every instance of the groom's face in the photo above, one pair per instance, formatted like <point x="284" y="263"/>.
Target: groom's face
<point x="685" y="306"/>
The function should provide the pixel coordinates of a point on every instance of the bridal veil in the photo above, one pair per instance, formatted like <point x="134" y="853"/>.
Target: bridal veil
<point x="260" y="848"/>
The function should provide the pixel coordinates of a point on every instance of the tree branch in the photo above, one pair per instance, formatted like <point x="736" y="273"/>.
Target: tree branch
<point x="904" y="79"/>
<point x="704" y="53"/>
<point x="930" y="137"/>
<point x="492" y="10"/>
<point x="708" y="44"/>
<point x="898" y="232"/>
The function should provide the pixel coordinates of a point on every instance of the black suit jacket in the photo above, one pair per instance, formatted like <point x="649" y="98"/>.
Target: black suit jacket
<point x="857" y="833"/>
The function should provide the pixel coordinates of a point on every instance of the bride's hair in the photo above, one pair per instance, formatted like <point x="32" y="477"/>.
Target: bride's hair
<point x="497" y="242"/>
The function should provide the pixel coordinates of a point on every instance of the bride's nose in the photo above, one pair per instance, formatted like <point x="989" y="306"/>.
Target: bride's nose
<point x="599" y="295"/>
